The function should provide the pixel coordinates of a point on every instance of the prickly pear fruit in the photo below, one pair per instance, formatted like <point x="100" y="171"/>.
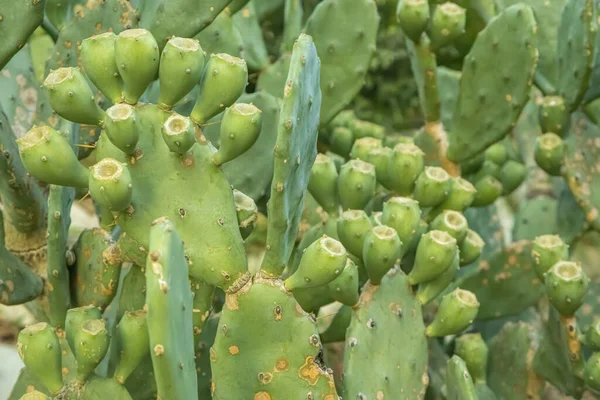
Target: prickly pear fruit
<point x="404" y="215"/>
<point x="35" y="395"/>
<point x="456" y="312"/>
<point x="553" y="114"/>
<point x="133" y="343"/>
<point x="549" y="153"/>
<point x="474" y="351"/>
<point x="592" y="336"/>
<point x="496" y="153"/>
<point x="110" y="184"/>
<point x="452" y="222"/>
<point x="341" y="141"/>
<point x="512" y="174"/>
<point x="356" y="184"/>
<point x="240" y="127"/>
<point x="408" y="160"/>
<point x="447" y="23"/>
<point x="488" y="190"/>
<point x="322" y="183"/>
<point x="247" y="212"/>
<point x="435" y="253"/>
<point x="179" y="133"/>
<point x="380" y="158"/>
<point x="432" y="186"/>
<point x="352" y="227"/>
<point x="99" y="64"/>
<point x="471" y="247"/>
<point x="344" y="288"/>
<point x="548" y="250"/>
<point x="75" y="317"/>
<point x="121" y="127"/>
<point x="462" y="193"/>
<point x="381" y="250"/>
<point x="362" y="147"/>
<point x="591" y="372"/>
<point x="566" y="286"/>
<point x="430" y="290"/>
<point x="92" y="345"/>
<point x="413" y="17"/>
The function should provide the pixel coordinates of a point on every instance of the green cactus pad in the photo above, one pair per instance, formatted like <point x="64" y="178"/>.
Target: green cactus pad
<point x="19" y="20"/>
<point x="272" y="80"/>
<point x="279" y="359"/>
<point x="499" y="97"/>
<point x="345" y="49"/>
<point x="169" y="301"/>
<point x="254" y="47"/>
<point x="222" y="36"/>
<point x="505" y="282"/>
<point x="18" y="283"/>
<point x="295" y="153"/>
<point x="458" y="381"/>
<point x="371" y="362"/>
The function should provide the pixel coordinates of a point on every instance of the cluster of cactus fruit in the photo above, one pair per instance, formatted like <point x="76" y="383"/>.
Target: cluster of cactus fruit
<point x="256" y="239"/>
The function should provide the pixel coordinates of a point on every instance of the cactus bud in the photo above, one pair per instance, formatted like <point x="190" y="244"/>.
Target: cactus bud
<point x="240" y="128"/>
<point x="92" y="345"/>
<point x="380" y="158"/>
<point x="71" y="97"/>
<point x="404" y="215"/>
<point x="100" y="65"/>
<point x="321" y="263"/>
<point x="456" y="312"/>
<point x="547" y="251"/>
<point x="322" y="183"/>
<point x="592" y="336"/>
<point x="470" y="248"/>
<point x="413" y="17"/>
<point x="121" y="127"/>
<point x="344" y="288"/>
<point x="566" y="286"/>
<point x="137" y="56"/>
<point x="474" y="351"/>
<point x="447" y="23"/>
<point x="488" y="190"/>
<point x="341" y="141"/>
<point x="181" y="66"/>
<point x="48" y="156"/>
<point x="432" y="186"/>
<point x="362" y="147"/>
<point x="133" y="343"/>
<point x="405" y="166"/>
<point x="224" y="80"/>
<point x="179" y="133"/>
<point x="110" y="184"/>
<point x="512" y="174"/>
<point x="429" y="291"/>
<point x="356" y="184"/>
<point x="553" y="114"/>
<point x="352" y="227"/>
<point x="381" y="250"/>
<point x="452" y="222"/>
<point x="40" y="351"/>
<point x="247" y="213"/>
<point x="435" y="253"/>
<point x="591" y="372"/>
<point x="549" y="153"/>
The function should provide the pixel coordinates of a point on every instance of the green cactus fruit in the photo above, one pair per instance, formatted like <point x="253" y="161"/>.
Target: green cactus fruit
<point x="380" y="158"/>
<point x="92" y="345"/>
<point x="352" y="227"/>
<point x="591" y="372"/>
<point x="447" y="23"/>
<point x="48" y="156"/>
<point x="456" y="312"/>
<point x="566" y="286"/>
<point x="99" y="64"/>
<point x="247" y="213"/>
<point x="461" y="196"/>
<point x="240" y="128"/>
<point x="341" y="141"/>
<point x="488" y="190"/>
<point x="459" y="384"/>
<point x="133" y="343"/>
<point x="592" y="335"/>
<point x="432" y="187"/>
<point x="404" y="215"/>
<point x="512" y="174"/>
<point x="336" y="331"/>
<point x="376" y="218"/>
<point x="452" y="222"/>
<point x="170" y="310"/>
<point x="549" y="153"/>
<point x="110" y="184"/>
<point x="381" y="250"/>
<point x="181" y="66"/>
<point x="422" y="228"/>
<point x="179" y="133"/>
<point x="322" y="183"/>
<point x="321" y="263"/>
<point x="470" y="248"/>
<point x="40" y="351"/>
<point x="121" y="127"/>
<point x="75" y="317"/>
<point x="546" y="252"/>
<point x="356" y="184"/>
<point x="430" y="290"/>
<point x="487" y="168"/>
<point x="362" y="147"/>
<point x="345" y="287"/>
<point x="35" y="395"/>
<point x="95" y="275"/>
<point x="224" y="80"/>
<point x="413" y="17"/>
<point x="343" y="119"/>
<point x="553" y="115"/>
<point x="105" y="388"/>
<point x="362" y="129"/>
<point x="137" y="57"/>
<point x="406" y="164"/>
<point x="435" y="253"/>
<point x="496" y="153"/>
<point x="71" y="97"/>
<point x="474" y="351"/>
